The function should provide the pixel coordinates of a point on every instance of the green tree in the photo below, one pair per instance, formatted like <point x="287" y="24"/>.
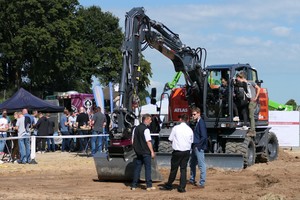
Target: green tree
<point x="102" y="40"/>
<point x="57" y="45"/>
<point x="38" y="50"/>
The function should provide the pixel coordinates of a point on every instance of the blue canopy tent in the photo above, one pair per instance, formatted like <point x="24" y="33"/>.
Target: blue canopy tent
<point x="24" y="99"/>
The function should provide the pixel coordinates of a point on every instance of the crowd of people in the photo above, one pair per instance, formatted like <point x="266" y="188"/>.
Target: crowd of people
<point x="245" y="100"/>
<point x="43" y="125"/>
<point x="19" y="126"/>
<point x="84" y="123"/>
<point x="188" y="145"/>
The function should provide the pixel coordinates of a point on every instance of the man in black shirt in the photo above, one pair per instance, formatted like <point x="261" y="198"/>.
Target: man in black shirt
<point x="82" y="121"/>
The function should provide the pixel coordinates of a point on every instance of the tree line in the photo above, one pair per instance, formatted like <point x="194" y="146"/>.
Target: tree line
<point x="58" y="45"/>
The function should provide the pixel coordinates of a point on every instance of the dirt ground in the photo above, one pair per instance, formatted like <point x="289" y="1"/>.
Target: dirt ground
<point x="71" y="176"/>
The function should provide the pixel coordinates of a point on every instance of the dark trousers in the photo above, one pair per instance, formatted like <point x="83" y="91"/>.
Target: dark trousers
<point x="243" y="113"/>
<point x="50" y="144"/>
<point x="139" y="162"/>
<point x="15" y="151"/>
<point x="179" y="159"/>
<point x="83" y="141"/>
<point x="41" y="143"/>
<point x="65" y="146"/>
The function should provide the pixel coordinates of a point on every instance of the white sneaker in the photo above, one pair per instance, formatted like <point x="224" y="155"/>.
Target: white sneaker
<point x="151" y="188"/>
<point x="244" y="128"/>
<point x="236" y="119"/>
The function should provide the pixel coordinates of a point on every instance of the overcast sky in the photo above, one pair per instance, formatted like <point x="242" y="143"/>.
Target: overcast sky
<point x="265" y="34"/>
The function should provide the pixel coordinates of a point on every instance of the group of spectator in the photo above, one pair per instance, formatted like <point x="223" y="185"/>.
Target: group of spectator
<point x="42" y="124"/>
<point x="19" y="126"/>
<point x="188" y="145"/>
<point x="85" y="123"/>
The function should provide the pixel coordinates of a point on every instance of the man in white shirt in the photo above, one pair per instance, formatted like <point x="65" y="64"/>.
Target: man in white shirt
<point x="3" y="129"/>
<point x="182" y="137"/>
<point x="24" y="142"/>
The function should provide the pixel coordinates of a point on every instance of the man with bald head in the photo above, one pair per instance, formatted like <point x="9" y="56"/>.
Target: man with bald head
<point x="82" y="120"/>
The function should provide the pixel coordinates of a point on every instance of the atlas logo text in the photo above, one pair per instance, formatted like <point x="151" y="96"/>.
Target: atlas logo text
<point x="180" y="109"/>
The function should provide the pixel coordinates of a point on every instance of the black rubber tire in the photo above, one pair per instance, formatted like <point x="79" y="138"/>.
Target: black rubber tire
<point x="271" y="149"/>
<point x="165" y="147"/>
<point x="230" y="146"/>
<point x="246" y="148"/>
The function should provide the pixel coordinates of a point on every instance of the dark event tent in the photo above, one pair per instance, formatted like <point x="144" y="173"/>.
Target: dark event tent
<point x="24" y="99"/>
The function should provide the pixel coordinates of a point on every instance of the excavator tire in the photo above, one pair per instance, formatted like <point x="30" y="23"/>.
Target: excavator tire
<point x="246" y="148"/>
<point x="165" y="147"/>
<point x="270" y="152"/>
<point x="230" y="147"/>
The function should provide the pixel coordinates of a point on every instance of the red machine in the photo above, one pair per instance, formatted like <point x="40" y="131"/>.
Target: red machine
<point x="178" y="104"/>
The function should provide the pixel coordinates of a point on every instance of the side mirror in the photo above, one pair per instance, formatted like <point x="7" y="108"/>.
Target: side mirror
<point x="153" y="95"/>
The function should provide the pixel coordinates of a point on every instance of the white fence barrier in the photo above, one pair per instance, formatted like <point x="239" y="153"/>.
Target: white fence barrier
<point x="286" y="126"/>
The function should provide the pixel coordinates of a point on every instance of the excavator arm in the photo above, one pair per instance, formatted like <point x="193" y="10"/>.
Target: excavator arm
<point x="172" y="84"/>
<point x="142" y="32"/>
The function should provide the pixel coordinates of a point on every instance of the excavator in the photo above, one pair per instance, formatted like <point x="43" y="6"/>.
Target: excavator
<point x="229" y="145"/>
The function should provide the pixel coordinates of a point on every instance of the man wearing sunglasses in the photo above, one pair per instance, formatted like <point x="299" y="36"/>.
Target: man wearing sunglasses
<point x="198" y="147"/>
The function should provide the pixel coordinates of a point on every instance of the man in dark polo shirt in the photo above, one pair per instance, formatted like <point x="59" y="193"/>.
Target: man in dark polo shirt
<point x="82" y="121"/>
<point x="141" y="141"/>
<point x="99" y="123"/>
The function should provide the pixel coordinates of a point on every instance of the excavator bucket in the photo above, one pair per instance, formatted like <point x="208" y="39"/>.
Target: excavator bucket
<point x="224" y="161"/>
<point x="121" y="169"/>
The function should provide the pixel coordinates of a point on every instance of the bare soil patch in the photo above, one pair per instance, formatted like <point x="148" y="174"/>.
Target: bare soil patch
<point x="71" y="176"/>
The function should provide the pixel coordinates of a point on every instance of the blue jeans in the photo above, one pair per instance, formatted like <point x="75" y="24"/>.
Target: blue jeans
<point x="24" y="148"/>
<point x="96" y="142"/>
<point x="2" y="142"/>
<point x="140" y="160"/>
<point x="197" y="157"/>
<point x="65" y="142"/>
<point x="50" y="144"/>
